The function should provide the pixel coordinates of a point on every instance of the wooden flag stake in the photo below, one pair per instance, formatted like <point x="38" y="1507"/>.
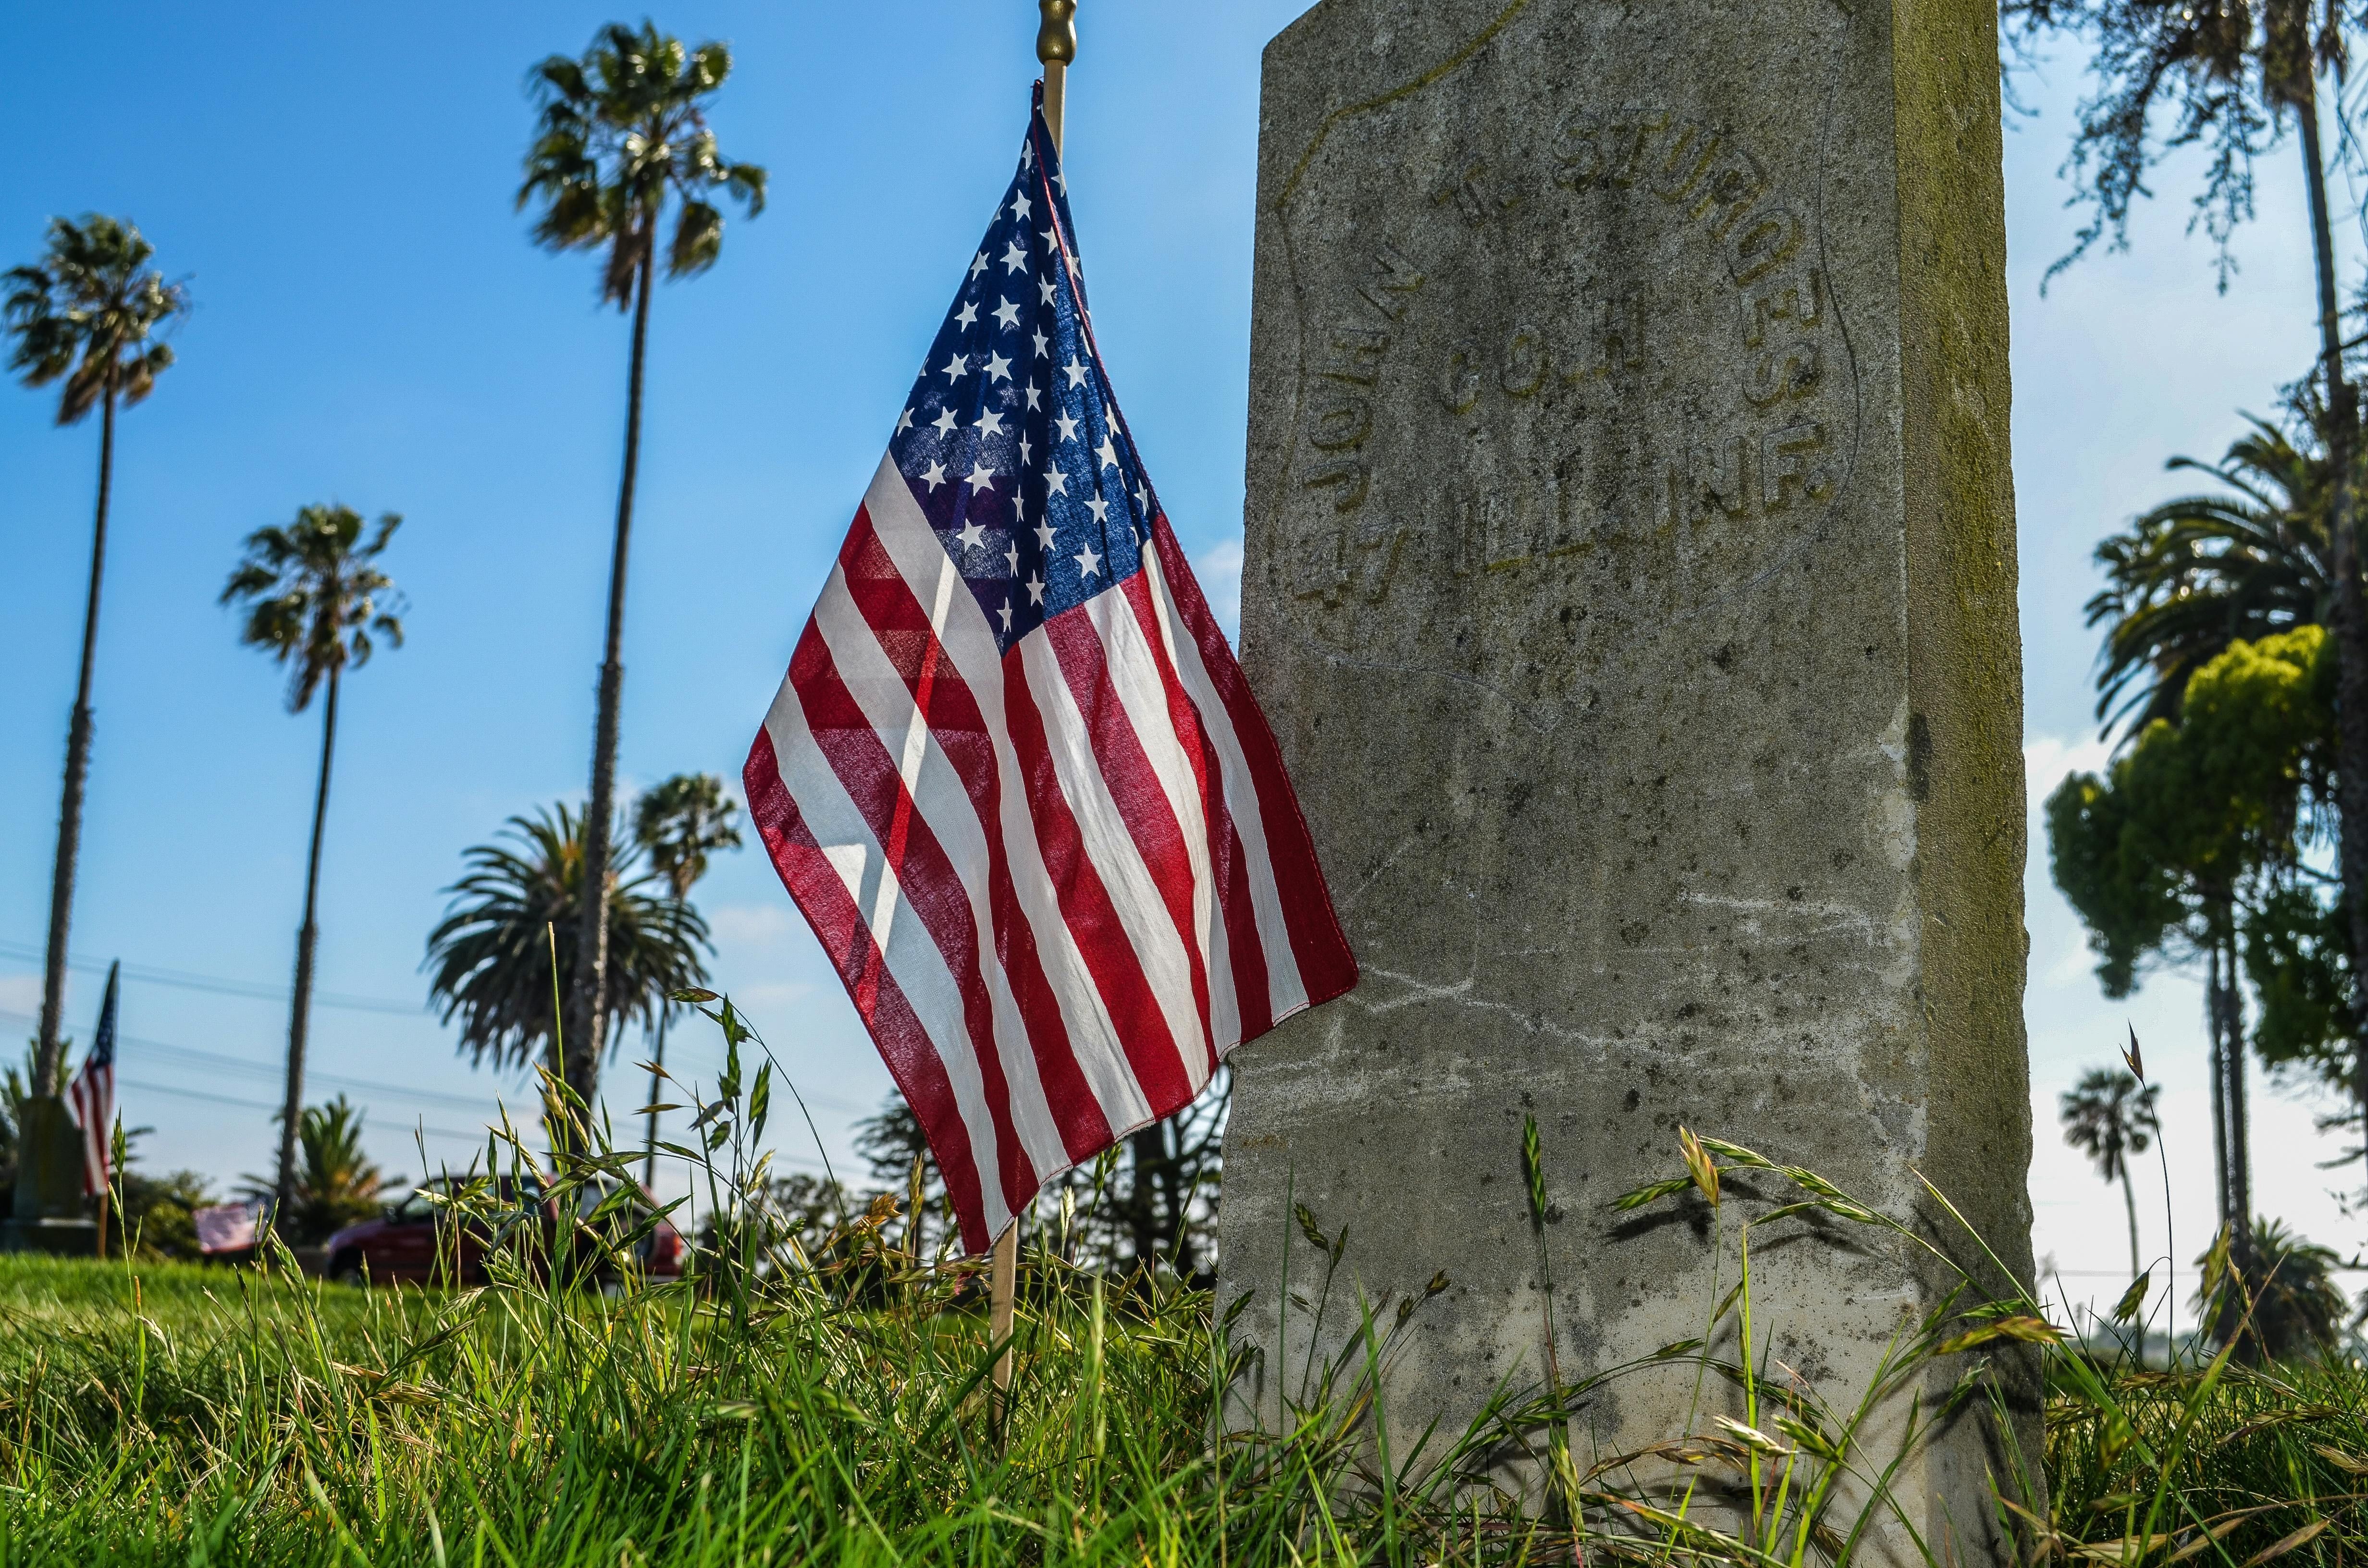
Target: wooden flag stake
<point x="1056" y="45"/>
<point x="1003" y="1279"/>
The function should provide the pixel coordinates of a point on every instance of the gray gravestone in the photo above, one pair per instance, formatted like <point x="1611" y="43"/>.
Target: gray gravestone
<point x="1631" y="579"/>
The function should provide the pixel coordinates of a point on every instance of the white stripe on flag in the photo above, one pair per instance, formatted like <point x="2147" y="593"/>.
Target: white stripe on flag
<point x="1285" y="986"/>
<point x="1143" y="695"/>
<point x="913" y="547"/>
<point x="1133" y="889"/>
<point x="912" y="957"/>
<point x="941" y="801"/>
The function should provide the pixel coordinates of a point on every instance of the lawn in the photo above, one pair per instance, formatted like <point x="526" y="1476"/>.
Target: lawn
<point x="168" y="1414"/>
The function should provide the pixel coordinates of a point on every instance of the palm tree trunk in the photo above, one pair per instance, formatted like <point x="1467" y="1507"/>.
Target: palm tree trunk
<point x="299" y="1008"/>
<point x="1148" y="1149"/>
<point x="2130" y="1198"/>
<point x="50" y="1045"/>
<point x="2240" y="1164"/>
<point x="2351" y="610"/>
<point x="587" y="1004"/>
<point x="2219" y="1090"/>
<point x="649" y="1144"/>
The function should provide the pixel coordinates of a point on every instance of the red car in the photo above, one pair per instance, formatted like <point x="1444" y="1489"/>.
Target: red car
<point x="402" y="1243"/>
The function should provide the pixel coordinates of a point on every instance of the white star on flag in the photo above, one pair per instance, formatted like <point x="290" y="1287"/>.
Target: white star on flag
<point x="980" y="477"/>
<point x="1087" y="562"/>
<point x="934" y="475"/>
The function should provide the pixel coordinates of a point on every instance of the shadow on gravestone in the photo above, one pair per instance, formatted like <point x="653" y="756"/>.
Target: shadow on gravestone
<point x="1630" y="575"/>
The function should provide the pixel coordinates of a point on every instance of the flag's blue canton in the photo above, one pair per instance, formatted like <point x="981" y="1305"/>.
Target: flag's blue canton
<point x="1011" y="440"/>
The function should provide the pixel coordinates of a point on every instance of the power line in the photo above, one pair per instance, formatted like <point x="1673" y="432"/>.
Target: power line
<point x="246" y="1064"/>
<point x="212" y="1059"/>
<point x="220" y="985"/>
<point x="188" y="980"/>
<point x="147" y="1089"/>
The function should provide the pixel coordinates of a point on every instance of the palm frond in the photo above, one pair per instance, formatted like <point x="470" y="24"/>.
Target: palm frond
<point x="489" y="959"/>
<point x="314" y="598"/>
<point x="88" y="315"/>
<point x="620" y="131"/>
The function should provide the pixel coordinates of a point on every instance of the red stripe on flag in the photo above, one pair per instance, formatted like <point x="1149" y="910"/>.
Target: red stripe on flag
<point x="1227" y="861"/>
<point x="958" y="726"/>
<point x="1327" y="968"/>
<point x="926" y="876"/>
<point x="1086" y="907"/>
<point x="1134" y="789"/>
<point x="904" y="1044"/>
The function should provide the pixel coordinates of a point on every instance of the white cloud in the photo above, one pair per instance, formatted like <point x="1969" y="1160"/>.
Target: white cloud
<point x="754" y="924"/>
<point x="20" y="993"/>
<point x="776" y="995"/>
<point x="1218" y="567"/>
<point x="2047" y="758"/>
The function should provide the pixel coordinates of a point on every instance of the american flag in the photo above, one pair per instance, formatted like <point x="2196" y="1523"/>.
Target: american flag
<point x="91" y="1097"/>
<point x="1014" y="777"/>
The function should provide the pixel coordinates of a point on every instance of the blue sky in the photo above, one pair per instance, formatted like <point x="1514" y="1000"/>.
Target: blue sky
<point x="374" y="327"/>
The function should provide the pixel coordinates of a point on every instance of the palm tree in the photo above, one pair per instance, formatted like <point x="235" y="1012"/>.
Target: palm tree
<point x="89" y="313"/>
<point x="337" y="1185"/>
<point x="2229" y="72"/>
<point x="679" y="825"/>
<point x="2185" y="582"/>
<point x="623" y="128"/>
<point x="2198" y="572"/>
<point x="492" y="956"/>
<point x="2285" y="1299"/>
<point x="314" y="597"/>
<point x="2108" y="1117"/>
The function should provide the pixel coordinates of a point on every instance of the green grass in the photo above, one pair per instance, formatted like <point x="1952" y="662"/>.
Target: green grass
<point x="166" y="1413"/>
<point x="828" y="1399"/>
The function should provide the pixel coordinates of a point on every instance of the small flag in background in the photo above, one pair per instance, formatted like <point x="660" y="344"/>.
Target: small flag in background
<point x="1014" y="778"/>
<point x="227" y="1227"/>
<point x="91" y="1097"/>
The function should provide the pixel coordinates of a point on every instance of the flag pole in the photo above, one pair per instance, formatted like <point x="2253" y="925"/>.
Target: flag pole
<point x="1056" y="45"/>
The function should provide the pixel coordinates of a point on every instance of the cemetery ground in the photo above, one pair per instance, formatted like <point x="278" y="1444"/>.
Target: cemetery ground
<point x="824" y="1399"/>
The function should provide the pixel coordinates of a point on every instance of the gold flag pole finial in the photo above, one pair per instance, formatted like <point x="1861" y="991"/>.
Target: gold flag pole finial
<point x="1056" y="45"/>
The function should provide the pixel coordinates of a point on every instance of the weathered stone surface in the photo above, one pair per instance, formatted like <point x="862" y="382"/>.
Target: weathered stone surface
<point x="1631" y="579"/>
